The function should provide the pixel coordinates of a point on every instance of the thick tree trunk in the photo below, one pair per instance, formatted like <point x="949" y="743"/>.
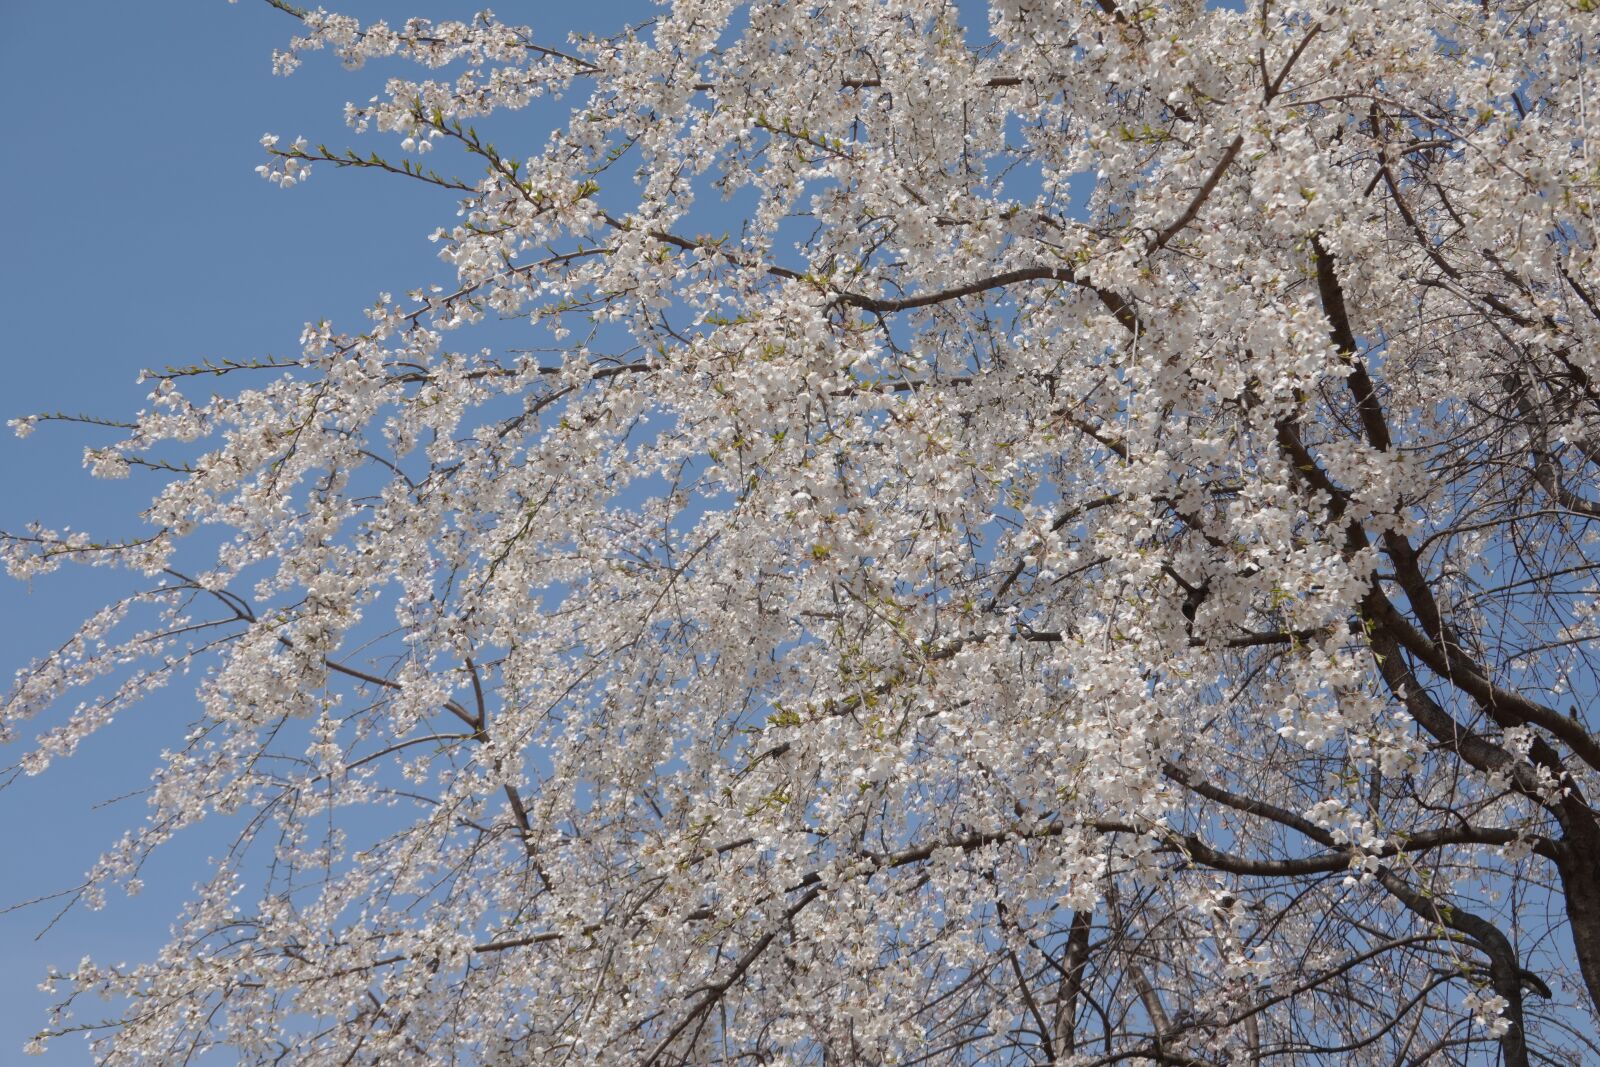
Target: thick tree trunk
<point x="1578" y="863"/>
<point x="1073" y="962"/>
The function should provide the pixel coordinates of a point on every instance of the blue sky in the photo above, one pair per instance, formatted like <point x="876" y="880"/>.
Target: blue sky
<point x="139" y="235"/>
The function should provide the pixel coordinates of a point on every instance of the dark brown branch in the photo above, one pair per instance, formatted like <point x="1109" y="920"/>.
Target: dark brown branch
<point x="1206" y="189"/>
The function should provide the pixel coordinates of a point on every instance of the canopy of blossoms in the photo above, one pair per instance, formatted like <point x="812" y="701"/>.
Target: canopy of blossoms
<point x="1062" y="534"/>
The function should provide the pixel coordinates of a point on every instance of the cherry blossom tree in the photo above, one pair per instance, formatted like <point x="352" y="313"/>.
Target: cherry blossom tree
<point x="1057" y="534"/>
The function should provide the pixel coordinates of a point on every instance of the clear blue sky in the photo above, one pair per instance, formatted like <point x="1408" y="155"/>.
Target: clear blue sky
<point x="137" y="234"/>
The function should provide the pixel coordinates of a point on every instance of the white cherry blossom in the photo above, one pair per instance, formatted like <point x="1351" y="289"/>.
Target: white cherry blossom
<point x="900" y="604"/>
